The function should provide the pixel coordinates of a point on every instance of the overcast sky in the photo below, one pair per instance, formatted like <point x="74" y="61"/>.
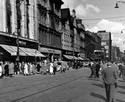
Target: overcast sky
<point x="101" y="15"/>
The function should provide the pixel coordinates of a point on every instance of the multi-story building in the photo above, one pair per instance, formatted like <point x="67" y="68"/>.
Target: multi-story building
<point x="98" y="52"/>
<point x="81" y="31"/>
<point x="3" y="14"/>
<point x="106" y="42"/>
<point x="89" y="47"/>
<point x="75" y="36"/>
<point x="115" y="56"/>
<point x="92" y="44"/>
<point x="17" y="29"/>
<point x="37" y="24"/>
<point x="49" y="27"/>
<point x="67" y="49"/>
<point x="25" y="12"/>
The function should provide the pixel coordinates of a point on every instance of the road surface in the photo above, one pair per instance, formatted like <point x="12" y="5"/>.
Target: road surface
<point x="72" y="86"/>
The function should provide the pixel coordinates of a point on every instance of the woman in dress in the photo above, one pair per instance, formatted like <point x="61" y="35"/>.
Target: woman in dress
<point x="26" y="69"/>
<point x="51" y="68"/>
<point x="1" y="70"/>
<point x="11" y="69"/>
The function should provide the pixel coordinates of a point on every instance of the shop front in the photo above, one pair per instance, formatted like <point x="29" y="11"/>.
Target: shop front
<point x="27" y="49"/>
<point x="50" y="53"/>
<point x="70" y="55"/>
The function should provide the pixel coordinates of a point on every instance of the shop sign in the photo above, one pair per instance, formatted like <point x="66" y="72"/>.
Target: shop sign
<point x="48" y="50"/>
<point x="22" y="43"/>
<point x="97" y="50"/>
<point x="69" y="53"/>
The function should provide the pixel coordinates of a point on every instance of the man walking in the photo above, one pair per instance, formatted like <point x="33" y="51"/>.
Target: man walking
<point x="93" y="70"/>
<point x="123" y="72"/>
<point x="11" y="69"/>
<point x="97" y="69"/>
<point x="110" y="76"/>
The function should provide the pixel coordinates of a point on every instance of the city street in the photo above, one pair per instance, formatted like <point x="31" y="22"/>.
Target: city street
<point x="45" y="36"/>
<point x="72" y="86"/>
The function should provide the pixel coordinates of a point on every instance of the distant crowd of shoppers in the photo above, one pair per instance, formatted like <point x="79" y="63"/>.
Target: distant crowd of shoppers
<point x="109" y="72"/>
<point x="9" y="69"/>
<point x="95" y="68"/>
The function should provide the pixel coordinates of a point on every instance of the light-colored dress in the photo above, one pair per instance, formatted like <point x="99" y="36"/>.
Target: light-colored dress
<point x="1" y="70"/>
<point x="11" y="68"/>
<point x="51" y="68"/>
<point x="26" y="69"/>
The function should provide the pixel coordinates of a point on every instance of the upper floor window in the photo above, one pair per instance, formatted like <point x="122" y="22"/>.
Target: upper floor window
<point x="42" y="2"/>
<point x="57" y="8"/>
<point x="51" y="5"/>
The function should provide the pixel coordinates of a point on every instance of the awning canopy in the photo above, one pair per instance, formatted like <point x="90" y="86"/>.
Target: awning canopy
<point x="9" y="49"/>
<point x="68" y="57"/>
<point x="83" y="59"/>
<point x="22" y="51"/>
<point x="71" y="57"/>
<point x="80" y="58"/>
<point x="76" y="58"/>
<point x="87" y="59"/>
<point x="32" y="52"/>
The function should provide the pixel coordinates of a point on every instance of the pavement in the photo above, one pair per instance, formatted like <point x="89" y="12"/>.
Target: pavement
<point x="72" y="86"/>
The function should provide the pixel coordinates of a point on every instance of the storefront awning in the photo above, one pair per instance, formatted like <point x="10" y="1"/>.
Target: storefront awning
<point x="71" y="57"/>
<point x="32" y="52"/>
<point x="9" y="49"/>
<point x="80" y="58"/>
<point x="22" y="51"/>
<point x="76" y="58"/>
<point x="13" y="50"/>
<point x="38" y="54"/>
<point x="83" y="59"/>
<point x="68" y="57"/>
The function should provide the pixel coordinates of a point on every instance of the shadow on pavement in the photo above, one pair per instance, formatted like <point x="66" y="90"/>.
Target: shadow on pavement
<point x="95" y="79"/>
<point x="99" y="85"/>
<point x="121" y="92"/>
<point x="122" y="87"/>
<point x="98" y="96"/>
<point x="118" y="100"/>
<point x="121" y="81"/>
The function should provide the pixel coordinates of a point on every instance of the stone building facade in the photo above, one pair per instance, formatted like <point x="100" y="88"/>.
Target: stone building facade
<point x="67" y="48"/>
<point x="49" y="27"/>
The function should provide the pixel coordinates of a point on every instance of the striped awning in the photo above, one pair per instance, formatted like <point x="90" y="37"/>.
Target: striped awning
<point x="32" y="52"/>
<point x="22" y="51"/>
<point x="68" y="57"/>
<point x="13" y="50"/>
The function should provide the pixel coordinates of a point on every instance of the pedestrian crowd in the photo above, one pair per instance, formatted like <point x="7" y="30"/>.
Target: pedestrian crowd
<point x="10" y="69"/>
<point x="95" y="68"/>
<point x="109" y="72"/>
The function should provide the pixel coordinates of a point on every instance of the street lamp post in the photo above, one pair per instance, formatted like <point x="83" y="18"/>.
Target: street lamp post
<point x="18" y="11"/>
<point x="18" y="3"/>
<point x="116" y="6"/>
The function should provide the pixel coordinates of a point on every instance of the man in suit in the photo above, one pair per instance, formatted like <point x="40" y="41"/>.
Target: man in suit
<point x="123" y="72"/>
<point x="110" y="76"/>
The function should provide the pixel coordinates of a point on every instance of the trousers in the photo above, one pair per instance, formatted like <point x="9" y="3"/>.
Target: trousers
<point x="110" y="92"/>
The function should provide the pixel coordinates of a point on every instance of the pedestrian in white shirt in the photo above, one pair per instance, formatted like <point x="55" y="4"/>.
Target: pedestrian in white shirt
<point x="1" y="70"/>
<point x="51" y="68"/>
<point x="26" y="69"/>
